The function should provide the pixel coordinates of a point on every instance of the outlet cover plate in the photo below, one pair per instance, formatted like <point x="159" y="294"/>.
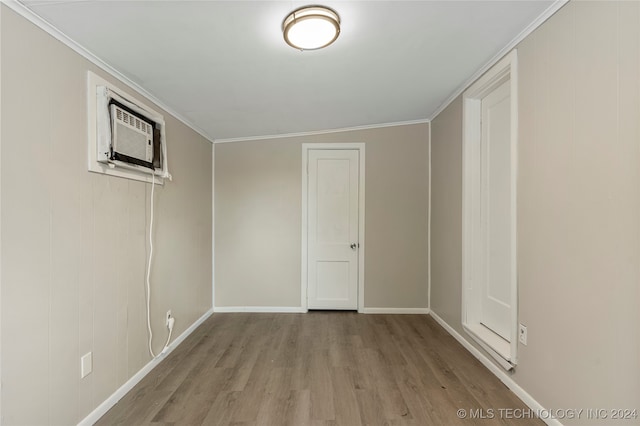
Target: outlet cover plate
<point x="522" y="334"/>
<point x="86" y="365"/>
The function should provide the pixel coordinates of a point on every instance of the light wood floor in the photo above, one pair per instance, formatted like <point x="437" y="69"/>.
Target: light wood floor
<point x="320" y="368"/>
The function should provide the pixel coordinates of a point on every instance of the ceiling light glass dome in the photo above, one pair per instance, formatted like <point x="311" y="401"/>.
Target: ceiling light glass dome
<point x="311" y="27"/>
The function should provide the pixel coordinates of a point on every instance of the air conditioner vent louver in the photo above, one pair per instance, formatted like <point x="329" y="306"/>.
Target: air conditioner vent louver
<point x="132" y="137"/>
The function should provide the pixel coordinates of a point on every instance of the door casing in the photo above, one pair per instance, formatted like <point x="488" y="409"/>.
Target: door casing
<point x="306" y="147"/>
<point x="504" y="70"/>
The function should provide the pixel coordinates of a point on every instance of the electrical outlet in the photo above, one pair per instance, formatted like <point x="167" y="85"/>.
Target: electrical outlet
<point x="168" y="317"/>
<point x="522" y="334"/>
<point x="86" y="365"/>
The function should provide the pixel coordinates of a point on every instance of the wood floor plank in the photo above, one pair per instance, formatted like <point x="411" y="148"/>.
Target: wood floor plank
<point x="369" y="406"/>
<point x="321" y="387"/>
<point x="249" y="400"/>
<point x="420" y="408"/>
<point x="319" y="368"/>
<point x="221" y="409"/>
<point x="300" y="410"/>
<point x="345" y="399"/>
<point x="277" y="400"/>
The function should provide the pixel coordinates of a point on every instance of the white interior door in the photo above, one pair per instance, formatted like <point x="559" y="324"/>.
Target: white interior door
<point x="332" y="281"/>
<point x="496" y="210"/>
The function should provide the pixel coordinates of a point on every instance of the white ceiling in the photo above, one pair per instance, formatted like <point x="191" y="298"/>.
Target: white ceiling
<point x="224" y="66"/>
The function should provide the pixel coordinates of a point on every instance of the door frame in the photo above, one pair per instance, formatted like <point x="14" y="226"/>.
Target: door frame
<point x="306" y="147"/>
<point x="506" y="69"/>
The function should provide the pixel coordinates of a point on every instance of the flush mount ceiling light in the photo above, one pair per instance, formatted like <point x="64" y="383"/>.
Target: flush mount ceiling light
<point x="311" y="27"/>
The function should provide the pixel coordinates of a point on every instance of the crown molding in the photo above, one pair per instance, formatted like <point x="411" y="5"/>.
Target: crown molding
<point x="548" y="13"/>
<point x="322" y="132"/>
<point x="50" y="29"/>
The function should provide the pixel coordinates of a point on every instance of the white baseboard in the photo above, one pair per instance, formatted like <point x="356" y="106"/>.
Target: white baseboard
<point x="296" y="309"/>
<point x="260" y="309"/>
<point x="95" y="415"/>
<point x="497" y="371"/>
<point x="394" y="310"/>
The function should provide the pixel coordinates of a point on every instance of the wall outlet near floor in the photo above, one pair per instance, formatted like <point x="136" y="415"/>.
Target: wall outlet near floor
<point x="522" y="334"/>
<point x="86" y="365"/>
<point x="168" y="318"/>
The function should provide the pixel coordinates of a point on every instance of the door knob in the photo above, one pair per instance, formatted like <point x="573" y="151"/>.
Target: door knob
<point x="353" y="246"/>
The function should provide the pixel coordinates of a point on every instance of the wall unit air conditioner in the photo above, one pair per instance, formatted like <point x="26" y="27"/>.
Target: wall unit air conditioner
<point x="132" y="137"/>
<point x="126" y="137"/>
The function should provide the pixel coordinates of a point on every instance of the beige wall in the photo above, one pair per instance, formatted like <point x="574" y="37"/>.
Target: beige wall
<point x="258" y="218"/>
<point x="74" y="243"/>
<point x="446" y="213"/>
<point x="578" y="209"/>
